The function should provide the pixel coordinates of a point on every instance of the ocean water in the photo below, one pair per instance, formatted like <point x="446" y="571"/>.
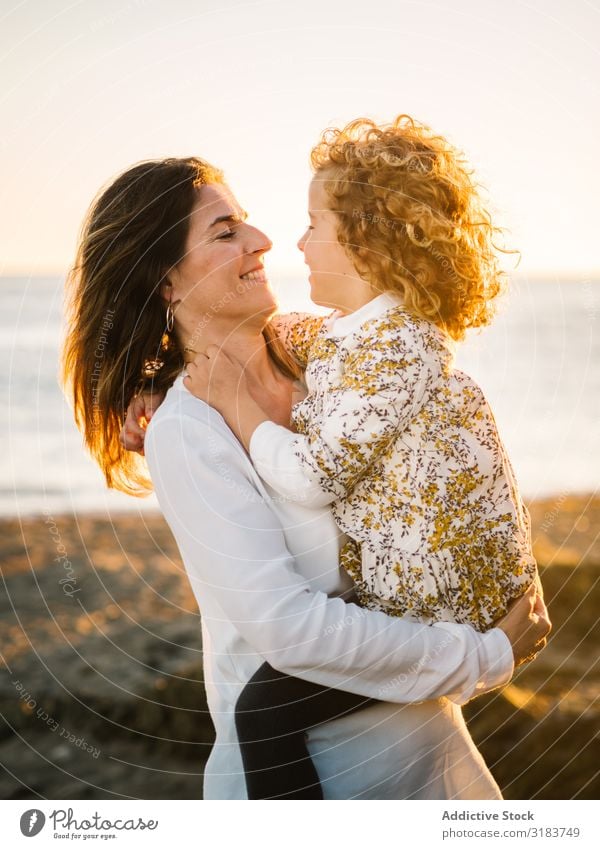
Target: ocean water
<point x="538" y="364"/>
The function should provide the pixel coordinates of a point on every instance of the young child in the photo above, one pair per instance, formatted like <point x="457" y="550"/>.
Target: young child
<point x="402" y="445"/>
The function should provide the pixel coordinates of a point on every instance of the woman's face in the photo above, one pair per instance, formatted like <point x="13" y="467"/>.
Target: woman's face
<point x="221" y="279"/>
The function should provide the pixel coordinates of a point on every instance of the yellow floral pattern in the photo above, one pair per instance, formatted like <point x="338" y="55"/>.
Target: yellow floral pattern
<point x="424" y="487"/>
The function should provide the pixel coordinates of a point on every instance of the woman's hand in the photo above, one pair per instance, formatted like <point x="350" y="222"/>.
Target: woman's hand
<point x="526" y="625"/>
<point x="139" y="412"/>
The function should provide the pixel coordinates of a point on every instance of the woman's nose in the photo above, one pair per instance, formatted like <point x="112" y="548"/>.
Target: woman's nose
<point x="259" y="242"/>
<point x="301" y="242"/>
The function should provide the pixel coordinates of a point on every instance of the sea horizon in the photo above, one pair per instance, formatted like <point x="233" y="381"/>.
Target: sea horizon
<point x="538" y="364"/>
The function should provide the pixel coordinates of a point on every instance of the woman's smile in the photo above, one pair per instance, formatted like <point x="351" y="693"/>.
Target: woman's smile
<point x="258" y="275"/>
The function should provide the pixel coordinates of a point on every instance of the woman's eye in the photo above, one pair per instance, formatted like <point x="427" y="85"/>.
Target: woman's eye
<point x="227" y="235"/>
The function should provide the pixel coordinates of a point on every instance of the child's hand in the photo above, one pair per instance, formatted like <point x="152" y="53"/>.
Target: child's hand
<point x="139" y="412"/>
<point x="216" y="378"/>
<point x="219" y="379"/>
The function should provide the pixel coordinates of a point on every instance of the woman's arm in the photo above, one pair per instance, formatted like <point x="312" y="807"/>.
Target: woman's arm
<point x="234" y="547"/>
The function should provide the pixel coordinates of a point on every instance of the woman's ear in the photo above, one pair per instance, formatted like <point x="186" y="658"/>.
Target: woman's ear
<point x="171" y="285"/>
<point x="166" y="291"/>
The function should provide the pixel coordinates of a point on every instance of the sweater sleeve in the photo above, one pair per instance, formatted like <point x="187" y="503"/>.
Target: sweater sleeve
<point x="234" y="548"/>
<point x="387" y="378"/>
<point x="298" y="331"/>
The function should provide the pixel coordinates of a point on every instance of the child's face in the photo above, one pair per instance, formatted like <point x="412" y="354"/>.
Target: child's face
<point x="334" y="282"/>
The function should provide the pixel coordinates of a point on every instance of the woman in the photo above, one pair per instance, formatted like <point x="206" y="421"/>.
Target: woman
<point x="167" y="255"/>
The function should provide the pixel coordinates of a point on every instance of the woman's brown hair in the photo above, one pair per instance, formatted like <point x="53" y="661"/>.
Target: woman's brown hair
<point x="134" y="233"/>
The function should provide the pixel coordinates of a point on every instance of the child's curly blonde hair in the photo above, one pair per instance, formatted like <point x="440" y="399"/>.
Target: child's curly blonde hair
<point x="411" y="219"/>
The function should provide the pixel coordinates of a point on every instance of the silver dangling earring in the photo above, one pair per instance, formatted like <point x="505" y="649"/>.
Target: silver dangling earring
<point x="170" y="317"/>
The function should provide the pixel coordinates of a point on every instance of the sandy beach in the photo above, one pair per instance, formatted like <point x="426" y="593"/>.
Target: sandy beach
<point x="101" y="685"/>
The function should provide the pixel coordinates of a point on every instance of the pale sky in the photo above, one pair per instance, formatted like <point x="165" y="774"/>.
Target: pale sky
<point x="89" y="88"/>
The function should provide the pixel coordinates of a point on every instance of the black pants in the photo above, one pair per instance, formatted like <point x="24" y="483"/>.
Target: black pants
<point x="271" y="716"/>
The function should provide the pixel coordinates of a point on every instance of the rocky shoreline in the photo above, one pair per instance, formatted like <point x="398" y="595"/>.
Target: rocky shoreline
<point x="101" y="687"/>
